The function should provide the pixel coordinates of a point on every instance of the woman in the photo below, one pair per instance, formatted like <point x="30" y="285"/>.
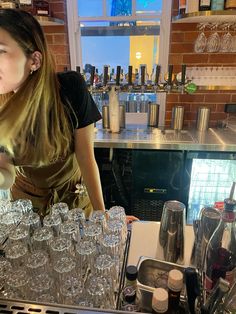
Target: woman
<point x="46" y="121"/>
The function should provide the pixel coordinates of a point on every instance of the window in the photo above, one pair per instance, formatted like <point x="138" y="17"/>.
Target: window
<point x="120" y="32"/>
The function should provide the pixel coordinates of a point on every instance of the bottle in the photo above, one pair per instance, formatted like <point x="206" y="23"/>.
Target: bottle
<point x="175" y="285"/>
<point x="204" y="5"/>
<point x="41" y="7"/>
<point x="182" y="6"/>
<point x="4" y="4"/>
<point x="159" y="301"/>
<point x="26" y="5"/>
<point x="221" y="250"/>
<point x="217" y="4"/>
<point x="130" y="289"/>
<point x="191" y="6"/>
<point x="230" y="4"/>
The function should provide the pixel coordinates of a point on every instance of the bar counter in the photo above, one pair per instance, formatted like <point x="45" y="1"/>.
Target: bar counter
<point x="143" y="137"/>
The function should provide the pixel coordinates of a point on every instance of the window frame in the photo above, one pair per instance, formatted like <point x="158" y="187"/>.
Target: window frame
<point x="74" y="34"/>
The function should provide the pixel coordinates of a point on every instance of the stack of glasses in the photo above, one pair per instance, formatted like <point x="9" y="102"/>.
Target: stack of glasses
<point x="66" y="259"/>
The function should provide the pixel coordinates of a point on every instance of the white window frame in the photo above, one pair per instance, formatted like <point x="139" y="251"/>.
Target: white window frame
<point x="74" y="33"/>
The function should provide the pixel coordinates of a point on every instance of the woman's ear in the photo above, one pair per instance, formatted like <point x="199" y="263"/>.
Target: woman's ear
<point x="36" y="58"/>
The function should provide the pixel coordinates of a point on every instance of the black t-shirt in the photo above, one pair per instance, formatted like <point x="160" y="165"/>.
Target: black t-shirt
<point x="79" y="103"/>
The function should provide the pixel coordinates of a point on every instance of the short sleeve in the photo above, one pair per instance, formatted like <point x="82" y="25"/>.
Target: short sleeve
<point x="83" y="110"/>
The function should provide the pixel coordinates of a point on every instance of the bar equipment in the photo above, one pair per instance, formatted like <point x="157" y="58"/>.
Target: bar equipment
<point x="171" y="236"/>
<point x="153" y="114"/>
<point x="177" y="118"/>
<point x="203" y="118"/>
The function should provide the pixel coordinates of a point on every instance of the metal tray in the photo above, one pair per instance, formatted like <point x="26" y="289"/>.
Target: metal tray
<point x="153" y="273"/>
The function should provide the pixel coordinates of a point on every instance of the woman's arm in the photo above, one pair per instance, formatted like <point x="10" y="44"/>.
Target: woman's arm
<point x="84" y="149"/>
<point x="7" y="172"/>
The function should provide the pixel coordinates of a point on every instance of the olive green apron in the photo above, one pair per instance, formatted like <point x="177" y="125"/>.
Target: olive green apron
<point x="50" y="184"/>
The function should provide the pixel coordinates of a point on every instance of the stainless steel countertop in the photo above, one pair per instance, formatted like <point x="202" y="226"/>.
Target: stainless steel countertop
<point x="141" y="137"/>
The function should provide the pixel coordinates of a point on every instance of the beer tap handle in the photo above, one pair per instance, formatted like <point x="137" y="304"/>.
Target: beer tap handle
<point x="157" y="74"/>
<point x="130" y="75"/>
<point x="78" y="69"/>
<point x="92" y="75"/>
<point x="118" y="70"/>
<point x="142" y="75"/>
<point x="183" y="74"/>
<point x="170" y="72"/>
<point x="105" y="75"/>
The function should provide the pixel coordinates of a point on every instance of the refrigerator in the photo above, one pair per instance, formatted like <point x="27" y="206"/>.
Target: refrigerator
<point x="208" y="179"/>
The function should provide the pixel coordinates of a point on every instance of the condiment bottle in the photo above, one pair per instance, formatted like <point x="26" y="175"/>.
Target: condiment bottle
<point x="160" y="301"/>
<point x="175" y="284"/>
<point x="129" y="291"/>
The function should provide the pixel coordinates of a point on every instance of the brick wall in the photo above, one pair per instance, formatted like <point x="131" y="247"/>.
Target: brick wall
<point x="182" y="51"/>
<point x="57" y="36"/>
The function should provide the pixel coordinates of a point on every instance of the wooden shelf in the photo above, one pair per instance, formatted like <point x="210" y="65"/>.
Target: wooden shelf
<point x="206" y="16"/>
<point x="49" y="21"/>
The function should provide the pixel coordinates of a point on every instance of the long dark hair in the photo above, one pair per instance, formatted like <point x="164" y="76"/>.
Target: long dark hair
<point x="34" y="115"/>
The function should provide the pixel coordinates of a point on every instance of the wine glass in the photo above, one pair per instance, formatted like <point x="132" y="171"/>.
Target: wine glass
<point x="201" y="41"/>
<point x="226" y="42"/>
<point x="213" y="42"/>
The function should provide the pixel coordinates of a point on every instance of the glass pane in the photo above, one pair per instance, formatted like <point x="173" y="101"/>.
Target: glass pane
<point x="90" y="8"/>
<point x="148" y="6"/>
<point x="119" y="7"/>
<point x="102" y="50"/>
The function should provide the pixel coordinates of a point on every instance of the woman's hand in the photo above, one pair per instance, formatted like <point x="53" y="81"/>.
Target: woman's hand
<point x="130" y="219"/>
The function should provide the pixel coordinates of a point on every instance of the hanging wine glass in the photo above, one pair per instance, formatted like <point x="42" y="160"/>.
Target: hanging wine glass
<point x="213" y="42"/>
<point x="200" y="43"/>
<point x="226" y="40"/>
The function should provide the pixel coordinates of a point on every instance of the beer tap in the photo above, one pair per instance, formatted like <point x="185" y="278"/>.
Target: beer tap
<point x="143" y="68"/>
<point x="157" y="76"/>
<point x="92" y="85"/>
<point x="169" y="79"/>
<point x="183" y="77"/>
<point x="105" y="86"/>
<point x="130" y="84"/>
<point x="114" y="109"/>
<point x="118" y="70"/>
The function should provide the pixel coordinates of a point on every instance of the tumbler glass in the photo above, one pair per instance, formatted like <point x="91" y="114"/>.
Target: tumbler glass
<point x="22" y="205"/>
<point x="20" y="234"/>
<point x="92" y="231"/>
<point x="96" y="292"/>
<point x="53" y="222"/>
<point x="104" y="266"/>
<point x="77" y="215"/>
<point x="85" y="253"/>
<point x="40" y="284"/>
<point x="5" y="268"/>
<point x="63" y="268"/>
<point x="11" y="218"/>
<point x="62" y="209"/>
<point x="17" y="283"/>
<point x="5" y="206"/>
<point x="37" y="263"/>
<point x="99" y="217"/>
<point x="70" y="230"/>
<point x="16" y="253"/>
<point x="32" y="221"/>
<point x="60" y="247"/>
<point x="41" y="238"/>
<point x="71" y="290"/>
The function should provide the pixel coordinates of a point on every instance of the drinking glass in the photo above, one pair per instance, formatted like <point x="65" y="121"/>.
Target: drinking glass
<point x="111" y="245"/>
<point x="20" y="234"/>
<point x="5" y="206"/>
<point x="53" y="222"/>
<point x="11" y="218"/>
<point x="60" y="247"/>
<point x="104" y="266"/>
<point x="85" y="253"/>
<point x="63" y="268"/>
<point x="98" y="217"/>
<point x="4" y="231"/>
<point x="32" y="221"/>
<point x="70" y="230"/>
<point x="5" y="268"/>
<point x="77" y="215"/>
<point x="37" y="263"/>
<point x="71" y="290"/>
<point x="96" y="292"/>
<point x="41" y="238"/>
<point x="226" y="43"/>
<point x="16" y="253"/>
<point x="17" y="283"/>
<point x="40" y="284"/>
<point x="22" y="205"/>
<point x="62" y="209"/>
<point x="201" y="41"/>
<point x="116" y="227"/>
<point x="92" y="231"/>
<point x="213" y="41"/>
